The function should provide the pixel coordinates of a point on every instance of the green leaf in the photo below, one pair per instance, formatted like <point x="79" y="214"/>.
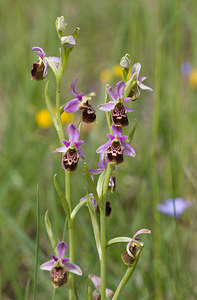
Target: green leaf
<point x="100" y="183"/>
<point x="77" y="208"/>
<point x="91" y="185"/>
<point x="49" y="231"/>
<point x="50" y="106"/>
<point x="129" y="85"/>
<point x="62" y="198"/>
<point x="94" y="224"/>
<point x="132" y="132"/>
<point x="120" y="239"/>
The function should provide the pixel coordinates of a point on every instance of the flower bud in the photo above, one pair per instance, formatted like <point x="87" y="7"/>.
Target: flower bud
<point x="124" y="62"/>
<point x="59" y="276"/>
<point x="60" y="23"/>
<point x="68" y="41"/>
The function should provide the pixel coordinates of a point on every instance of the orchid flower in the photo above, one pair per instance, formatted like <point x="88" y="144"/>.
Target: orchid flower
<point x="81" y="102"/>
<point x="116" y="147"/>
<point x="59" y="266"/>
<point x="116" y="105"/>
<point x="133" y="247"/>
<point x="39" y="70"/>
<point x="71" y="149"/>
<point x="135" y="92"/>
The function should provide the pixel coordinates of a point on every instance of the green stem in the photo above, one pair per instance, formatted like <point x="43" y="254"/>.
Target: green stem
<point x="71" y="236"/>
<point x="103" y="232"/>
<point x="126" y="277"/>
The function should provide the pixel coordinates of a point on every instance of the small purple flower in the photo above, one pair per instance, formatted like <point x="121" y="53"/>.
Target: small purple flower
<point x="71" y="149"/>
<point x="81" y="102"/>
<point x="59" y="266"/>
<point x="186" y="68"/>
<point x="167" y="207"/>
<point x="39" y="70"/>
<point x="135" y="92"/>
<point x="116" y="105"/>
<point x="116" y="147"/>
<point x="97" y="284"/>
<point x="133" y="247"/>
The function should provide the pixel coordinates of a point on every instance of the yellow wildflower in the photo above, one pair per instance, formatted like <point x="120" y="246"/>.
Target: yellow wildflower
<point x="105" y="76"/>
<point x="43" y="118"/>
<point x="117" y="71"/>
<point x="66" y="117"/>
<point x="193" y="78"/>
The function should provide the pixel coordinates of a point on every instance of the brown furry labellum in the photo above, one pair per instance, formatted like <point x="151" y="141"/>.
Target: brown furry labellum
<point x="59" y="276"/>
<point x="89" y="114"/>
<point x="115" y="152"/>
<point x="70" y="160"/>
<point x="37" y="71"/>
<point x="119" y="115"/>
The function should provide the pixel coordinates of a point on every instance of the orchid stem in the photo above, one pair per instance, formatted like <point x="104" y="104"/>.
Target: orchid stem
<point x="71" y="236"/>
<point x="60" y="132"/>
<point x="103" y="232"/>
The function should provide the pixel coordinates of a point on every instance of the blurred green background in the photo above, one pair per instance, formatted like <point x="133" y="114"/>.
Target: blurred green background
<point x="159" y="34"/>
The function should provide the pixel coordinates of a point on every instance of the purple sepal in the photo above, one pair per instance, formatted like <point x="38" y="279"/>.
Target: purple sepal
<point x="73" y="268"/>
<point x="73" y="133"/>
<point x="72" y="106"/>
<point x="48" y="265"/>
<point x="61" y="249"/>
<point x="78" y="96"/>
<point x="103" y="148"/>
<point x="128" y="150"/>
<point x="120" y="88"/>
<point x="107" y="106"/>
<point x="112" y="94"/>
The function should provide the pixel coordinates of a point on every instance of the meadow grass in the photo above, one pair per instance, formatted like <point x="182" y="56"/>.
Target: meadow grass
<point x="159" y="34"/>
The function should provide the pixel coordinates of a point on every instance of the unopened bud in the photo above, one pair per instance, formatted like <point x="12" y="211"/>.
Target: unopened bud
<point x="60" y="23"/>
<point x="68" y="41"/>
<point x="124" y="62"/>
